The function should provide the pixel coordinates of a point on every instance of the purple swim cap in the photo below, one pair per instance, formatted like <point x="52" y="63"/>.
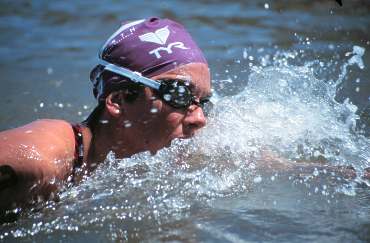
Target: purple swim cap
<point x="149" y="46"/>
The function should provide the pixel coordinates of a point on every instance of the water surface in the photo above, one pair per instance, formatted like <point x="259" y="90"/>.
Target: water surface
<point x="291" y="80"/>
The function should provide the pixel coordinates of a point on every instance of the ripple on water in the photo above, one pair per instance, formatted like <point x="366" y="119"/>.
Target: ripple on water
<point x="285" y="110"/>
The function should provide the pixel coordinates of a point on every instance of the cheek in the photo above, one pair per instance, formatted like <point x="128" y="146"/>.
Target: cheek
<point x="168" y="121"/>
<point x="150" y="113"/>
<point x="174" y="119"/>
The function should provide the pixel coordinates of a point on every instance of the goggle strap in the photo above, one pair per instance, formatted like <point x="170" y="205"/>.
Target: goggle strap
<point x="133" y="76"/>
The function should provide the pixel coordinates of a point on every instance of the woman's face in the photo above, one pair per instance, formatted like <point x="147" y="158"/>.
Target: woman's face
<point x="154" y="124"/>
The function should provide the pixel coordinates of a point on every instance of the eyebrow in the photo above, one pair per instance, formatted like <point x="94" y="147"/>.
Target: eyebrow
<point x="206" y="96"/>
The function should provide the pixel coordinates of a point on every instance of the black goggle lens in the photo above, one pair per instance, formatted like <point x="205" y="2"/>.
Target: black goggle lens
<point x="177" y="94"/>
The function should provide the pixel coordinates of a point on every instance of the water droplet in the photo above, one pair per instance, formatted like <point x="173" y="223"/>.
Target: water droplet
<point x="245" y="53"/>
<point x="316" y="153"/>
<point x="49" y="70"/>
<point x="41" y="105"/>
<point x="153" y="110"/>
<point x="283" y="83"/>
<point x="315" y="172"/>
<point x="127" y="124"/>
<point x="358" y="52"/>
<point x="181" y="89"/>
<point x="266" y="6"/>
<point x="167" y="97"/>
<point x="257" y="179"/>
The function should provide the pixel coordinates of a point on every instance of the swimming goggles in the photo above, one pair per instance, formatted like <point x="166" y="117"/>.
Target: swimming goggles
<point x="174" y="92"/>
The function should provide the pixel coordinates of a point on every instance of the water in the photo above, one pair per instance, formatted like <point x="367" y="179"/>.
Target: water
<point x="291" y="81"/>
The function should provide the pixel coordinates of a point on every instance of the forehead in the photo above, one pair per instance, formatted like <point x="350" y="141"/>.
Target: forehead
<point x="197" y="73"/>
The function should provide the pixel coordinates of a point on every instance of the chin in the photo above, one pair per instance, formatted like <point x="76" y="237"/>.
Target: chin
<point x="153" y="152"/>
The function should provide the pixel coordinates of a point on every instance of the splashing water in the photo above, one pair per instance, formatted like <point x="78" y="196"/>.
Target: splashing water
<point x="288" y="110"/>
<point x="284" y="109"/>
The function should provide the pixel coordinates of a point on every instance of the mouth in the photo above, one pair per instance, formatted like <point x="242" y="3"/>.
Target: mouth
<point x="186" y="136"/>
<point x="168" y="144"/>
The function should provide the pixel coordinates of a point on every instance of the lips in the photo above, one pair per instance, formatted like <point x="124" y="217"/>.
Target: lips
<point x="168" y="144"/>
<point x="186" y="136"/>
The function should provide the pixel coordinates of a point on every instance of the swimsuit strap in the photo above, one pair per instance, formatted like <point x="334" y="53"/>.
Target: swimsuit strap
<point x="79" y="146"/>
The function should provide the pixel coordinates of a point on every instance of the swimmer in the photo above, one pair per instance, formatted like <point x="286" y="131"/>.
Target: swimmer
<point x="151" y="82"/>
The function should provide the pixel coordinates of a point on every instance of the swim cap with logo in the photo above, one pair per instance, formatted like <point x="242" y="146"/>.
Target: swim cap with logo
<point x="149" y="46"/>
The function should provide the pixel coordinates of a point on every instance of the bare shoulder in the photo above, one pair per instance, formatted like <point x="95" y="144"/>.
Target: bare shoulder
<point x="42" y="125"/>
<point x="40" y="132"/>
<point x="45" y="143"/>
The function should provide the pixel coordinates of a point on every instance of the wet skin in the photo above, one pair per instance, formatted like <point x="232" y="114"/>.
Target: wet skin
<point x="42" y="153"/>
<point x="39" y="153"/>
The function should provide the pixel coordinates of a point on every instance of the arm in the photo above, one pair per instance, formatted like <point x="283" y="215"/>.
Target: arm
<point x="271" y="161"/>
<point x="34" y="161"/>
<point x="21" y="179"/>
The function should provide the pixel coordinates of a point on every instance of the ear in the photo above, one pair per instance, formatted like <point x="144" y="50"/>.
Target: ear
<point x="112" y="104"/>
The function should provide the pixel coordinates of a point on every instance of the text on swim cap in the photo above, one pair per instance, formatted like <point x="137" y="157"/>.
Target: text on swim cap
<point x="160" y="37"/>
<point x="168" y="49"/>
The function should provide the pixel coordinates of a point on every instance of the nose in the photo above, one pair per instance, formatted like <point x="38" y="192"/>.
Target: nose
<point x="194" y="120"/>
